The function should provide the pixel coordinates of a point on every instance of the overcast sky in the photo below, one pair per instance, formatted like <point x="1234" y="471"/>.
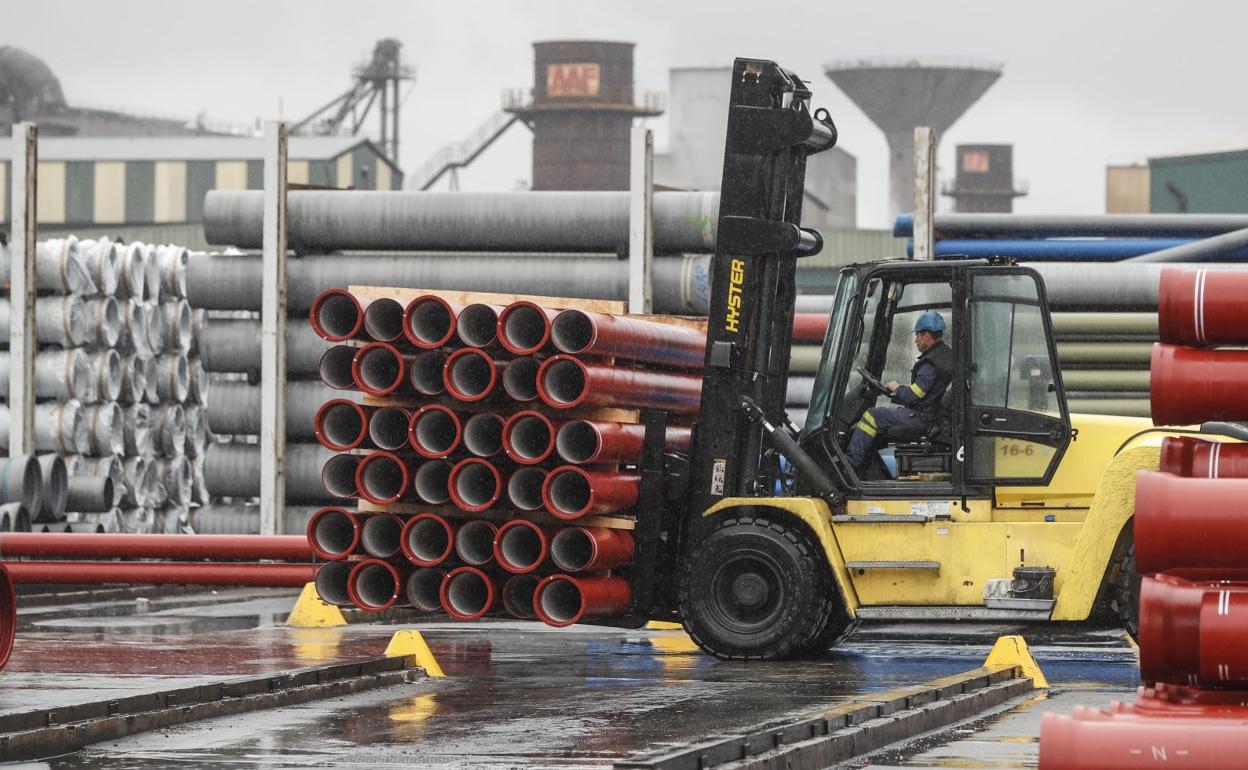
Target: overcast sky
<point x="1086" y="82"/>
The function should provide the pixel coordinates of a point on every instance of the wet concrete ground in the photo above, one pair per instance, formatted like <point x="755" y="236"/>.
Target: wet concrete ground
<point x="517" y="694"/>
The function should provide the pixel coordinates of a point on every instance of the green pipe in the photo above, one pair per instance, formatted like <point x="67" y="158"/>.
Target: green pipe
<point x="1107" y="353"/>
<point x="1123" y="407"/>
<point x="1104" y="379"/>
<point x="804" y="359"/>
<point x="1105" y="324"/>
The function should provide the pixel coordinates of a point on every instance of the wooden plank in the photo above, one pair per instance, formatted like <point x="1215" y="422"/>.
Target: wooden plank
<point x="612" y="307"/>
<point x="537" y="517"/>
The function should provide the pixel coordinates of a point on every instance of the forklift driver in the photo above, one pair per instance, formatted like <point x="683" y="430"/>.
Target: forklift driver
<point x="920" y="401"/>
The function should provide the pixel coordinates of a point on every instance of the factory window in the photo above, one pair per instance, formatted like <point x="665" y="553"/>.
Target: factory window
<point x="975" y="161"/>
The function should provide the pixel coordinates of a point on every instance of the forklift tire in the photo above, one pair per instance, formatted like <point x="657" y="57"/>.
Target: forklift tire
<point x="1126" y="593"/>
<point x="758" y="589"/>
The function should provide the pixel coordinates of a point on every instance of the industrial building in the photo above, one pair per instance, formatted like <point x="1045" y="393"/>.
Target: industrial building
<point x="1204" y="183"/>
<point x="984" y="179"/>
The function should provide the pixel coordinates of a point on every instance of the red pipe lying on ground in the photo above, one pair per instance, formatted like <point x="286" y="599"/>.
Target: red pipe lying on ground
<point x="1193" y="633"/>
<point x="1202" y="307"/>
<point x="578" y="332"/>
<point x="1187" y="456"/>
<point x="570" y="492"/>
<point x="429" y="321"/>
<point x="159" y="573"/>
<point x="561" y="600"/>
<point x="1133" y="743"/>
<point x="564" y="382"/>
<point x="1191" y="385"/>
<point x="588" y="442"/>
<point x="35" y="545"/>
<point x="524" y="327"/>
<point x="1189" y="523"/>
<point x="337" y="315"/>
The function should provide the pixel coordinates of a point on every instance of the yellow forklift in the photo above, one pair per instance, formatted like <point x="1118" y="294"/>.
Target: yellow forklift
<point x="767" y="543"/>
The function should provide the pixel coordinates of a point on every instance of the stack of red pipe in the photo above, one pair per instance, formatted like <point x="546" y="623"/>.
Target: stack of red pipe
<point x="1191" y="549"/>
<point x="476" y="448"/>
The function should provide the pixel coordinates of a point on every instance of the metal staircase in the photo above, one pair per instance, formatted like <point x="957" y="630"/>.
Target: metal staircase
<point x="457" y="155"/>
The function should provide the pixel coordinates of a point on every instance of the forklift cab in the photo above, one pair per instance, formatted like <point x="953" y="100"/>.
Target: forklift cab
<point x="1003" y="418"/>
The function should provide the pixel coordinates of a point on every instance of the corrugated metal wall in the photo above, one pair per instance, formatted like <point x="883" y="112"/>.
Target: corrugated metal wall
<point x="1199" y="184"/>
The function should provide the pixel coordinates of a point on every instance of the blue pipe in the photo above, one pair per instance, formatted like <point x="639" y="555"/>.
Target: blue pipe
<point x="1065" y="250"/>
<point x="1021" y="226"/>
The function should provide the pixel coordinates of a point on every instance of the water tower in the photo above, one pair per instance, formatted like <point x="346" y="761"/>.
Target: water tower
<point x="900" y="94"/>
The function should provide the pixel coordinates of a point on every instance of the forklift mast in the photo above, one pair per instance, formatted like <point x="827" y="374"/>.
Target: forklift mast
<point x="771" y="131"/>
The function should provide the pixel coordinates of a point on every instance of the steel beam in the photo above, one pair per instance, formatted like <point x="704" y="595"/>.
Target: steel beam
<point x="273" y="334"/>
<point x="924" y="191"/>
<point x="22" y="342"/>
<point x="641" y="222"/>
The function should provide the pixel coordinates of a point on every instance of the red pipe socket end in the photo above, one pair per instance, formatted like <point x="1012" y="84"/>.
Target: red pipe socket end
<point x="1194" y="457"/>
<point x="428" y="539"/>
<point x="375" y="585"/>
<point x="1193" y="633"/>
<point x="467" y="593"/>
<point x="429" y="321"/>
<point x="570" y="492"/>
<point x="424" y="587"/>
<point x="477" y="325"/>
<point x="518" y="594"/>
<point x="520" y="546"/>
<point x="338" y="475"/>
<point x="333" y="533"/>
<point x="1130" y="743"/>
<point x="469" y="375"/>
<point x="1192" y="385"/>
<point x="579" y="549"/>
<point x="8" y="616"/>
<point x="336" y="315"/>
<point x="434" y="431"/>
<point x="334" y="367"/>
<point x="524" y="327"/>
<point x="382" y="478"/>
<point x="340" y="425"/>
<point x="585" y="333"/>
<point x="529" y="437"/>
<point x="379" y="369"/>
<point x="474" y="542"/>
<point x="331" y="583"/>
<point x="1202" y="307"/>
<point x="564" y="382"/>
<point x="1189" y="523"/>
<point x="475" y="484"/>
<point x="381" y="535"/>
<point x="562" y="600"/>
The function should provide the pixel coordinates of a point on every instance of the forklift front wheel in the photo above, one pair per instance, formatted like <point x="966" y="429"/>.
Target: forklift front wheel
<point x="757" y="589"/>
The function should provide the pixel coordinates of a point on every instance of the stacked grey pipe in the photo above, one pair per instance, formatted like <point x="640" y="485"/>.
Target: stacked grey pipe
<point x="119" y="402"/>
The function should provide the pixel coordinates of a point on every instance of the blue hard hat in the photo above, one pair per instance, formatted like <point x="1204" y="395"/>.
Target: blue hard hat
<point x="931" y="321"/>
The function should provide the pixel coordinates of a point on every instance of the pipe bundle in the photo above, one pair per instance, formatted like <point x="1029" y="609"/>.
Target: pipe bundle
<point x="115" y="379"/>
<point x="495" y="481"/>
<point x="1191" y="549"/>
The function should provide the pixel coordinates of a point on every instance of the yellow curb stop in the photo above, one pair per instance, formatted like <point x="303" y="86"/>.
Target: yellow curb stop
<point x="311" y="611"/>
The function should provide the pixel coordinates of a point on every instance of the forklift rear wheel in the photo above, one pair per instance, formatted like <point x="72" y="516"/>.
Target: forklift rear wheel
<point x="758" y="589"/>
<point x="1126" y="593"/>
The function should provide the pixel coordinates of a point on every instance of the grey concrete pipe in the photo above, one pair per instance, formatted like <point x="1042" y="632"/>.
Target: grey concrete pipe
<point x="153" y="324"/>
<point x="105" y="429"/>
<point x="171" y="264"/>
<point x="233" y="470"/>
<point x="175" y="476"/>
<point x="59" y="374"/>
<point x="233" y="345"/>
<point x="240" y="519"/>
<point x="59" y="427"/>
<point x="104" y="319"/>
<point x="103" y="262"/>
<point x="510" y="221"/>
<point x="107" y="374"/>
<point x="139" y="433"/>
<point x="175" y="315"/>
<point x="58" y="321"/>
<point x="232" y="282"/>
<point x="14" y="517"/>
<point x="132" y="284"/>
<point x="59" y="268"/>
<point x="21" y="481"/>
<point x="91" y="494"/>
<point x="199" y="486"/>
<point x="141" y="481"/>
<point x="151" y="273"/>
<point x="235" y="407"/>
<point x="133" y="379"/>
<point x="196" y="430"/>
<point x="111" y="467"/>
<point x="169" y="427"/>
<point x="55" y="481"/>
<point x="198" y="384"/>
<point x="797" y="390"/>
<point x="134" y="328"/>
<point x="173" y="379"/>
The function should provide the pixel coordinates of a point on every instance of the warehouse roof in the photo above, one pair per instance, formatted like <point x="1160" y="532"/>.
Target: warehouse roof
<point x="189" y="148"/>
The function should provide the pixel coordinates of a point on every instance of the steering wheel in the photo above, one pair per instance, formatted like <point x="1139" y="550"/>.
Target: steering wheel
<point x="872" y="383"/>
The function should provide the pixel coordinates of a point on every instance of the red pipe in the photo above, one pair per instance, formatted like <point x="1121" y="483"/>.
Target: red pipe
<point x="381" y="535"/>
<point x="529" y="437"/>
<point x="341" y="425"/>
<point x="331" y="582"/>
<point x="578" y="332"/>
<point x="483" y="434"/>
<point x="1189" y="523"/>
<point x="594" y="442"/>
<point x="159" y="573"/>
<point x="375" y="585"/>
<point x="333" y="533"/>
<point x="518" y="594"/>
<point x="474" y="542"/>
<point x="429" y="321"/>
<point x="580" y="549"/>
<point x="1191" y="385"/>
<point x="379" y="369"/>
<point x="571" y="492"/>
<point x="467" y="593"/>
<point x="430" y="482"/>
<point x="475" y="484"/>
<point x="388" y="427"/>
<point x="1127" y="744"/>
<point x="524" y="487"/>
<point x="524" y="327"/>
<point x="564" y="381"/>
<point x="470" y="375"/>
<point x="382" y="478"/>
<point x="338" y="475"/>
<point x="36" y="545"/>
<point x="8" y="616"/>
<point x="562" y="600"/>
<point x="423" y="588"/>
<point x="428" y="539"/>
<point x="520" y="546"/>
<point x="1193" y="633"/>
<point x="1163" y="697"/>
<point x="809" y="327"/>
<point x="334" y="367"/>
<point x="1186" y="456"/>
<point x="477" y="326"/>
<point x="520" y="379"/>
<point x="1202" y="307"/>
<point x="337" y="316"/>
<point x="383" y="320"/>
<point x="425" y="372"/>
<point x="434" y="431"/>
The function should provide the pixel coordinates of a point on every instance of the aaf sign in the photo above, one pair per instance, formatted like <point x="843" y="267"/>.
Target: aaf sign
<point x="571" y="80"/>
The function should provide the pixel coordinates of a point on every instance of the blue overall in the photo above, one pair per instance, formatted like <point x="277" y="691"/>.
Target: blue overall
<point x="919" y="404"/>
